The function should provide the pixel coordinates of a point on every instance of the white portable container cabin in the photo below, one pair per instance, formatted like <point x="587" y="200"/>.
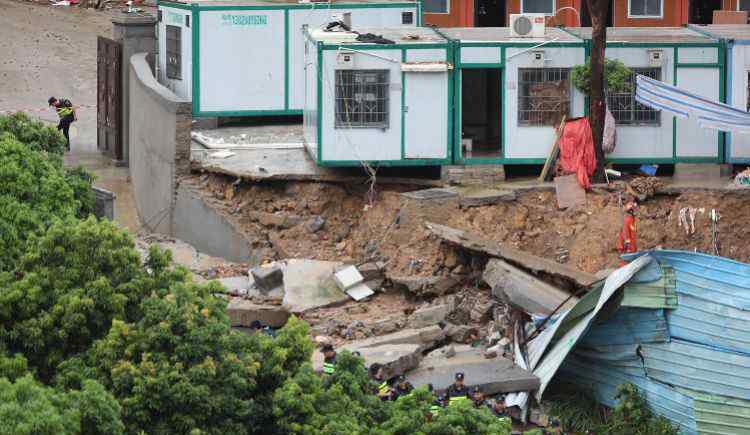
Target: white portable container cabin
<point x="676" y="55"/>
<point x="384" y="104"/>
<point x="736" y="40"/>
<point x="245" y="57"/>
<point x="511" y="92"/>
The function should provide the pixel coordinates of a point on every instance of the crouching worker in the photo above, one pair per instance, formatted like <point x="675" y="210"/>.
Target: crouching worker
<point x="329" y="361"/>
<point x="382" y="389"/>
<point x="67" y="115"/>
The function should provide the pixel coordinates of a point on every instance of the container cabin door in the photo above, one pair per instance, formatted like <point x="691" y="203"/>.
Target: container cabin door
<point x="425" y="115"/>
<point x="692" y="141"/>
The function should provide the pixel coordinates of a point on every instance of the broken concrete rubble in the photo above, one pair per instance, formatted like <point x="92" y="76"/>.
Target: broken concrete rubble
<point x="243" y="312"/>
<point x="426" y="285"/>
<point x="492" y="376"/>
<point x="513" y="255"/>
<point x="461" y="333"/>
<point x="268" y="278"/>
<point x="360" y="292"/>
<point x="399" y="352"/>
<point x="309" y="284"/>
<point x="428" y="316"/>
<point x="347" y="277"/>
<point x="516" y="287"/>
<point x="315" y="224"/>
<point x="372" y="270"/>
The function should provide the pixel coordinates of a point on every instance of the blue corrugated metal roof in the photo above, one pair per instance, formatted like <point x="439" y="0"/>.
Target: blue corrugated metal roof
<point x="602" y="380"/>
<point x="699" y="368"/>
<point x="710" y="323"/>
<point x="629" y="326"/>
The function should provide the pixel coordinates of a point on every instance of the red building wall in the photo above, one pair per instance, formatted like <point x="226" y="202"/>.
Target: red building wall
<point x="675" y="14"/>
<point x="461" y="15"/>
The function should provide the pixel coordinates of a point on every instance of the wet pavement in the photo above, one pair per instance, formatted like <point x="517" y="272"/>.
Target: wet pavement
<point x="116" y="179"/>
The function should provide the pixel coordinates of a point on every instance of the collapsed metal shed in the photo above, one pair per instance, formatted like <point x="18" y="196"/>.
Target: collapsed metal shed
<point x="674" y="324"/>
<point x="386" y="104"/>
<point x="736" y="39"/>
<point x="510" y="93"/>
<point x="245" y="58"/>
<point x="677" y="55"/>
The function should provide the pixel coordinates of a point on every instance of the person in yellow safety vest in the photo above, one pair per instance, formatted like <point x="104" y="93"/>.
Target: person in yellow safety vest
<point x="382" y="389"/>
<point x="458" y="392"/>
<point x="329" y="360"/>
<point x="67" y="114"/>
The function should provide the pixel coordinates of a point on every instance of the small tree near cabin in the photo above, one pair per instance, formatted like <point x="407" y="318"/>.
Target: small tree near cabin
<point x="597" y="107"/>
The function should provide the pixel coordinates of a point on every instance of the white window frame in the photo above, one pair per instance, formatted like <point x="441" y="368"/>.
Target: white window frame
<point x="551" y="14"/>
<point x="635" y="17"/>
<point x="447" y="9"/>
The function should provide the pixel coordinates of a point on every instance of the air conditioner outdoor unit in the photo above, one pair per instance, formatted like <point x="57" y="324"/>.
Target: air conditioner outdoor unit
<point x="527" y="25"/>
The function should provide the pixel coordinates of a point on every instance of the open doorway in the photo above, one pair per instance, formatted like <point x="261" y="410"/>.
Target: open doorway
<point x="480" y="113"/>
<point x="489" y="13"/>
<point x="586" y="15"/>
<point x="702" y="11"/>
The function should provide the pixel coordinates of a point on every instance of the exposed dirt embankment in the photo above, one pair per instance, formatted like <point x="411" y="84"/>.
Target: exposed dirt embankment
<point x="337" y="222"/>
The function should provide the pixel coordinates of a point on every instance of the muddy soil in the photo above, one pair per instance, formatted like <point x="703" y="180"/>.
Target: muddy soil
<point x="391" y="227"/>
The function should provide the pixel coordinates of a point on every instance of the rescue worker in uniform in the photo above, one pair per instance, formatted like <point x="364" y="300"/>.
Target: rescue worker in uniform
<point x="627" y="239"/>
<point x="436" y="405"/>
<point x="329" y="361"/>
<point x="478" y="398"/>
<point x="382" y="389"/>
<point x="403" y="387"/>
<point x="67" y="115"/>
<point x="458" y="392"/>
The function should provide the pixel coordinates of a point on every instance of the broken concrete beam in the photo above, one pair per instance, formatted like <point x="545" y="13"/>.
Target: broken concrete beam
<point x="429" y="316"/>
<point x="347" y="277"/>
<point x="268" y="278"/>
<point x="235" y="285"/>
<point x="426" y="285"/>
<point x="424" y="337"/>
<point x="475" y="196"/>
<point x="461" y="333"/>
<point x="492" y="376"/>
<point x="243" y="312"/>
<point x="395" y="358"/>
<point x="372" y="270"/>
<point x="520" y="289"/>
<point x="309" y="284"/>
<point x="513" y="255"/>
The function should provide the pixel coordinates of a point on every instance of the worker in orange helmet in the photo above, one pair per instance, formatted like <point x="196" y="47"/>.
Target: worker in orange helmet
<point x="627" y="239"/>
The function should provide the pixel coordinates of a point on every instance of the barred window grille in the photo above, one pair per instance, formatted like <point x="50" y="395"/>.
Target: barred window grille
<point x="362" y="98"/>
<point x="626" y="110"/>
<point x="174" y="52"/>
<point x="543" y="95"/>
<point x="538" y="7"/>
<point x="748" y="91"/>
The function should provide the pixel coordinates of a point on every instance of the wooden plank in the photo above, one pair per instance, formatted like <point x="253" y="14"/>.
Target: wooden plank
<point x="544" y="176"/>
<point x="513" y="255"/>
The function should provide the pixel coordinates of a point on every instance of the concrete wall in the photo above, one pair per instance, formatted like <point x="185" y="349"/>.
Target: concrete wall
<point x="198" y="223"/>
<point x="159" y="130"/>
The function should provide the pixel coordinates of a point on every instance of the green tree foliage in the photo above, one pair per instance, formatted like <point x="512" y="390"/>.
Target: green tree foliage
<point x="631" y="416"/>
<point x="344" y="404"/>
<point x="30" y="408"/>
<point x="80" y="180"/>
<point x="33" y="133"/>
<point x="69" y="286"/>
<point x="615" y="72"/>
<point x="33" y="192"/>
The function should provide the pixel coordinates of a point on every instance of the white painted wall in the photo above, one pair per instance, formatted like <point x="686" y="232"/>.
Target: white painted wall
<point x="374" y="17"/>
<point x="522" y="142"/>
<point x="426" y="107"/>
<point x="739" y="65"/>
<point x="649" y="141"/>
<point x="241" y="60"/>
<point x="692" y="139"/>
<point x="176" y="17"/>
<point x="480" y="55"/>
<point x="358" y="144"/>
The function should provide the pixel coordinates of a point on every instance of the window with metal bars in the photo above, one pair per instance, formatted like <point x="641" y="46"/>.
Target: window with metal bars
<point x="543" y="95"/>
<point x="743" y="5"/>
<point x="538" y="7"/>
<point x="645" y="8"/>
<point x="626" y="110"/>
<point x="362" y="98"/>
<point x="747" y="84"/>
<point x="174" y="52"/>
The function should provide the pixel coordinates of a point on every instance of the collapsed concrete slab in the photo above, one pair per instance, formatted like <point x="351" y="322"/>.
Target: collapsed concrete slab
<point x="492" y="376"/>
<point x="429" y="316"/>
<point x="522" y="290"/>
<point x="511" y="254"/>
<point x="243" y="312"/>
<point x="309" y="284"/>
<point x="398" y="352"/>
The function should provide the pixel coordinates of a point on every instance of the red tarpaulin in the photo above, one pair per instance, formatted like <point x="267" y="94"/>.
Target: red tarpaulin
<point x="577" y="150"/>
